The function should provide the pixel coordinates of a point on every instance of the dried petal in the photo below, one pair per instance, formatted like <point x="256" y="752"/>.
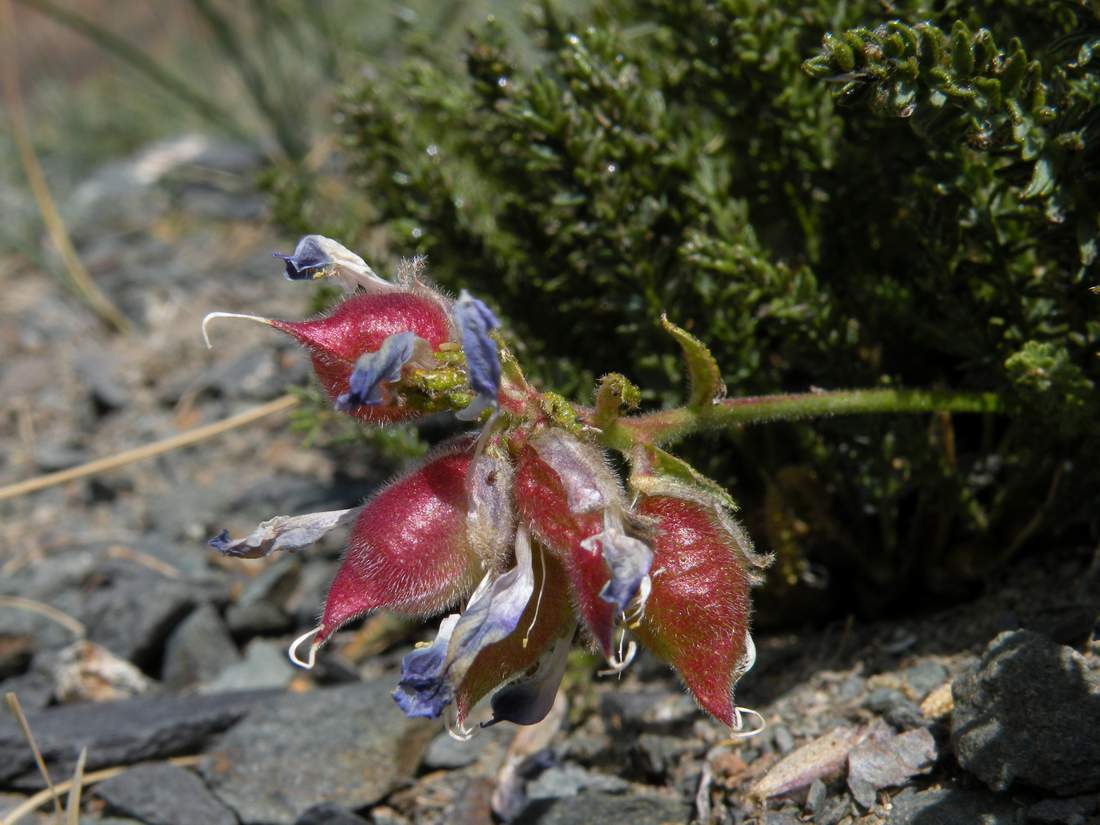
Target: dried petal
<point x="423" y="690"/>
<point x="408" y="551"/>
<point x="281" y="533"/>
<point x="697" y="617"/>
<point x="490" y="518"/>
<point x="316" y="257"/>
<point x="475" y="321"/>
<point x="589" y="484"/>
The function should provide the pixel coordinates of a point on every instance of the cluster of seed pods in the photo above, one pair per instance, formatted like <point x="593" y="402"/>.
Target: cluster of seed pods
<point x="521" y="526"/>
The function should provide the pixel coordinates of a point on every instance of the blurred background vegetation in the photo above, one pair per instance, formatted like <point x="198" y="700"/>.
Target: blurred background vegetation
<point x="830" y="195"/>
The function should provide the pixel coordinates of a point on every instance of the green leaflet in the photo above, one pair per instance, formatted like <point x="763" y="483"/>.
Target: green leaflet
<point x="706" y="378"/>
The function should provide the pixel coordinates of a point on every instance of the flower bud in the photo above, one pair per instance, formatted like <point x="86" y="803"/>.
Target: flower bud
<point x="697" y="616"/>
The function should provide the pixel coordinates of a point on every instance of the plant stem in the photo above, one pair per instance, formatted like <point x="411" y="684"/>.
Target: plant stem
<point x="668" y="426"/>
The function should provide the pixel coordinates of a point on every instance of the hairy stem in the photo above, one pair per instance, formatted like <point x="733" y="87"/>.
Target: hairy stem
<point x="669" y="426"/>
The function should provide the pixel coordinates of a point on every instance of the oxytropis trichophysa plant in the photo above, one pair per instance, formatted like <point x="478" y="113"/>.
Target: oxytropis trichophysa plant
<point x="523" y="524"/>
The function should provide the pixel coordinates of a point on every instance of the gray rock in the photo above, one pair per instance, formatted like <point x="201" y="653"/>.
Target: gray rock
<point x="265" y="665"/>
<point x="130" y="610"/>
<point x="570" y="780"/>
<point x="330" y="815"/>
<point x="1073" y="811"/>
<point x="347" y="744"/>
<point x="16" y="651"/>
<point x="34" y="688"/>
<point x="924" y="677"/>
<point x="815" y="798"/>
<point x="887" y="760"/>
<point x="606" y="809"/>
<point x="97" y="369"/>
<point x="261" y="607"/>
<point x="162" y="794"/>
<point x="198" y="650"/>
<point x="1029" y="711"/>
<point x="447" y="753"/>
<point x="895" y="708"/>
<point x="252" y="374"/>
<point x="659" y="753"/>
<point x="119" y="733"/>
<point x="952" y="807"/>
<point x="656" y="710"/>
<point x="53" y="457"/>
<point x="784" y="742"/>
<point x="781" y="818"/>
<point x="834" y="811"/>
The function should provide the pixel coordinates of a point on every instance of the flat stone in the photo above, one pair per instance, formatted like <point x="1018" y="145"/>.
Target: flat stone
<point x="163" y="794"/>
<point x="952" y="807"/>
<point x="265" y="665"/>
<point x="924" y="677"/>
<point x="330" y="815"/>
<point x="118" y="733"/>
<point x="648" y="709"/>
<point x="198" y="650"/>
<point x="606" y="809"/>
<point x="447" y="753"/>
<point x="131" y="610"/>
<point x="570" y="780"/>
<point x="1075" y="811"/>
<point x="887" y="760"/>
<point x="349" y="745"/>
<point x="1029" y="711"/>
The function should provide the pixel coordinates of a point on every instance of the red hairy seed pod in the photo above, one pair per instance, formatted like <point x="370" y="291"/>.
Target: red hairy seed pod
<point x="543" y="503"/>
<point x="697" y="616"/>
<point x="408" y="551"/>
<point x="359" y="325"/>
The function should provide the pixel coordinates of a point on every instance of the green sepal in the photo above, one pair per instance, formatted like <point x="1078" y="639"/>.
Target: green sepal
<point x="664" y="463"/>
<point x="558" y="409"/>
<point x="614" y="394"/>
<point x="706" y="379"/>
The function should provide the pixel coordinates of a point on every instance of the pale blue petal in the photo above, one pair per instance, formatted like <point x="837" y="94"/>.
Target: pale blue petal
<point x="373" y="369"/>
<point x="628" y="560"/>
<point x="308" y="260"/>
<point x="475" y="321"/>
<point x="423" y="689"/>
<point x="494" y="611"/>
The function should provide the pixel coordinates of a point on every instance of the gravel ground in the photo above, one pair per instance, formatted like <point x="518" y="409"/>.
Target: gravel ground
<point x="173" y="675"/>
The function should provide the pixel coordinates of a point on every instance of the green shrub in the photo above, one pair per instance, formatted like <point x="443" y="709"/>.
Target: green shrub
<point x="894" y="194"/>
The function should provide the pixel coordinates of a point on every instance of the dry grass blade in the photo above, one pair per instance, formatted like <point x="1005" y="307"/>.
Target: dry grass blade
<point x="31" y="804"/>
<point x="49" y="611"/>
<point x="55" y="226"/>
<point x="72" y="806"/>
<point x="17" y="711"/>
<point x="166" y="445"/>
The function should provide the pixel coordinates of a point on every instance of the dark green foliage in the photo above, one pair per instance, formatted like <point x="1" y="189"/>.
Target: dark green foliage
<point x="897" y="194"/>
